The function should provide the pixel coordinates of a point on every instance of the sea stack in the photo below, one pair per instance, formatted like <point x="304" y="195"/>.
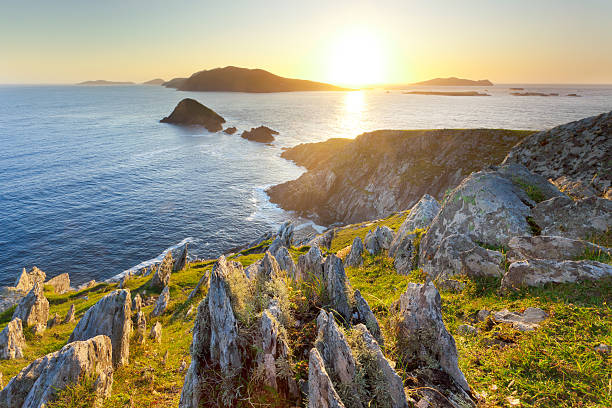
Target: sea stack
<point x="191" y="112"/>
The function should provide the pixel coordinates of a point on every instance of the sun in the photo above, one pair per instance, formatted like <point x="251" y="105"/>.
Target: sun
<point x="357" y="59"/>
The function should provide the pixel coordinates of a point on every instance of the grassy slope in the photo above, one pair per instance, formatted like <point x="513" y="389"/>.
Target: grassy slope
<point x="555" y="366"/>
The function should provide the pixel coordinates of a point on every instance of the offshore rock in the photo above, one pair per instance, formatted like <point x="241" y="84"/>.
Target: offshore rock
<point x="33" y="309"/>
<point x="39" y="382"/>
<point x="191" y="112"/>
<point x="12" y="340"/>
<point x="538" y="272"/>
<point x="162" y="302"/>
<point x="110" y="316"/>
<point x="355" y="256"/>
<point x="261" y="134"/>
<point x="337" y="286"/>
<point x="60" y="283"/>
<point x="321" y="391"/>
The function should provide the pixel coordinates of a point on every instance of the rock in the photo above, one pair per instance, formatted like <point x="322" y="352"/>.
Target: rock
<point x="424" y="338"/>
<point x="323" y="240"/>
<point x="378" y="239"/>
<point x="156" y="332"/>
<point x="162" y="302"/>
<point x="12" y="340"/>
<point x="527" y="321"/>
<point x="365" y="316"/>
<point x="141" y="327"/>
<point x="285" y="262"/>
<point x="25" y="282"/>
<point x="467" y="330"/>
<point x="191" y="112"/>
<point x="70" y="314"/>
<point x="39" y="382"/>
<point x="334" y="349"/>
<point x="321" y="391"/>
<point x="123" y="282"/>
<point x="310" y="265"/>
<point x="355" y="257"/>
<point x="60" y="283"/>
<point x="181" y="261"/>
<point x="581" y="219"/>
<point x="268" y="267"/>
<point x="87" y="285"/>
<point x="274" y="349"/>
<point x="603" y="349"/>
<point x="285" y="234"/>
<point x="550" y="247"/>
<point x="419" y="217"/>
<point x="393" y="385"/>
<point x="33" y="309"/>
<point x="578" y="151"/>
<point x="538" y="272"/>
<point x="482" y="315"/>
<point x="337" y="286"/>
<point x="230" y="130"/>
<point x="261" y="134"/>
<point x="162" y="275"/>
<point x="54" y="321"/>
<point x="9" y="297"/>
<point x="303" y="233"/>
<point x="110" y="316"/>
<point x="450" y="285"/>
<point x="191" y="395"/>
<point x="136" y="304"/>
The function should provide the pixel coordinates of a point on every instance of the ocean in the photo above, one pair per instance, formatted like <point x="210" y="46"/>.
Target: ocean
<point x="92" y="184"/>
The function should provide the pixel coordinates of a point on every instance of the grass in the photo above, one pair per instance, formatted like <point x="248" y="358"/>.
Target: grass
<point x="344" y="236"/>
<point x="533" y="192"/>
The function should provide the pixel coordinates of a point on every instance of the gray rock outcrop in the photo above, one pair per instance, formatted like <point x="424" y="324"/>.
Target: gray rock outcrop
<point x="550" y="247"/>
<point x="538" y="272"/>
<point x="161" y="278"/>
<point x="355" y="256"/>
<point x="321" y="391"/>
<point x="60" y="283"/>
<point x="528" y="320"/>
<point x="285" y="261"/>
<point x="70" y="314"/>
<point x="33" y="309"/>
<point x="156" y="332"/>
<point x="12" y="340"/>
<point x="39" y="382"/>
<point x="334" y="349"/>
<point x="365" y="316"/>
<point x="323" y="240"/>
<point x="310" y="264"/>
<point x="136" y="304"/>
<point x="26" y="280"/>
<point x="162" y="302"/>
<point x="141" y="327"/>
<point x="110" y="316"/>
<point x="378" y="239"/>
<point x="337" y="286"/>
<point x="181" y="261"/>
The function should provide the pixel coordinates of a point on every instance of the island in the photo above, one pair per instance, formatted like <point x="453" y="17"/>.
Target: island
<point x="156" y="81"/>
<point x="460" y="93"/>
<point x="453" y="81"/>
<point x="235" y="79"/>
<point x="261" y="134"/>
<point x="533" y="94"/>
<point x="191" y="112"/>
<point x="104" y="82"/>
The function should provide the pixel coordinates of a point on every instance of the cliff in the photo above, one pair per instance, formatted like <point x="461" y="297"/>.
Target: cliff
<point x="385" y="171"/>
<point x="235" y="79"/>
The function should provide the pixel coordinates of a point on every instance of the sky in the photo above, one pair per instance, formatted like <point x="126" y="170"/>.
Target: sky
<point x="353" y="43"/>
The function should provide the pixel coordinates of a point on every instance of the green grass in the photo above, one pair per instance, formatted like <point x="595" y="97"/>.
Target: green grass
<point x="344" y="236"/>
<point x="532" y="191"/>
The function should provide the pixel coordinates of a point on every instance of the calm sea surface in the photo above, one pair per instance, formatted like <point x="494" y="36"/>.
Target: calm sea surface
<point x="92" y="184"/>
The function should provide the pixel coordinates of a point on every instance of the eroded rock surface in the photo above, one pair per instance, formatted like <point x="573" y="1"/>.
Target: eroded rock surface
<point x="321" y="391"/>
<point x="310" y="264"/>
<point x="378" y="239"/>
<point x="162" y="302"/>
<point x="162" y="275"/>
<point x="26" y="280"/>
<point x="365" y="316"/>
<point x="33" y="309"/>
<point x="550" y="247"/>
<point x="337" y="286"/>
<point x="355" y="256"/>
<point x="285" y="261"/>
<point x="12" y="340"/>
<point x="60" y="283"/>
<point x="538" y="272"/>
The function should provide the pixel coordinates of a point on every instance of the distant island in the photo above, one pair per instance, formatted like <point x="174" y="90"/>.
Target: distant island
<point x="452" y="81"/>
<point x="235" y="79"/>
<point x="463" y="93"/>
<point x="156" y="81"/>
<point x="104" y="82"/>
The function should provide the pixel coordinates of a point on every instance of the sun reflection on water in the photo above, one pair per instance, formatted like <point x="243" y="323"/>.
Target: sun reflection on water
<point x="351" y="119"/>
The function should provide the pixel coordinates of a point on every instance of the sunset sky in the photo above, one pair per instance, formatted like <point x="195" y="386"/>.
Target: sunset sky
<point x="343" y="42"/>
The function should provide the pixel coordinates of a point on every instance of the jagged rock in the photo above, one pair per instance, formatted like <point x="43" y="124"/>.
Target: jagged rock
<point x="39" y="382"/>
<point x="162" y="275"/>
<point x="424" y="338"/>
<point x="285" y="234"/>
<point x="310" y="264"/>
<point x="60" y="283"/>
<point x="538" y="272"/>
<point x="162" y="302"/>
<point x="54" y="321"/>
<point x="87" y="285"/>
<point x="285" y="261"/>
<point x="198" y="288"/>
<point x="303" y="233"/>
<point x="141" y="327"/>
<point x="365" y="316"/>
<point x="550" y="247"/>
<point x="321" y="391"/>
<point x="33" y="309"/>
<point x="467" y="330"/>
<point x="156" y="332"/>
<point x="323" y="240"/>
<point x="355" y="256"/>
<point x="25" y="282"/>
<point x="268" y="267"/>
<point x="70" y="314"/>
<point x="274" y="348"/>
<point x="337" y="286"/>
<point x="261" y="134"/>
<point x="378" y="239"/>
<point x="181" y="261"/>
<point x="577" y="151"/>
<point x="529" y="320"/>
<point x="12" y="340"/>
<point x="136" y="304"/>
<point x="110" y="316"/>
<point x="124" y="280"/>
<point x="580" y="219"/>
<point x="9" y="297"/>
<point x="488" y="207"/>
<point x="393" y="385"/>
<point x="191" y="112"/>
<point x="230" y="130"/>
<point x="334" y="349"/>
<point x="450" y="285"/>
<point x="458" y="254"/>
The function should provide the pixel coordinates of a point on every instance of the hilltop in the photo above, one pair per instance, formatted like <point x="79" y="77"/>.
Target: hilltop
<point x="453" y="81"/>
<point x="235" y="79"/>
<point x="156" y="81"/>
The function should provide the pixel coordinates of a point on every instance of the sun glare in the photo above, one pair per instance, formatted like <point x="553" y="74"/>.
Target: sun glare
<point x="357" y="59"/>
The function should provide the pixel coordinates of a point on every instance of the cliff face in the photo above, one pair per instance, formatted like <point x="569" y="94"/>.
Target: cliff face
<point x="576" y="156"/>
<point x="386" y="171"/>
